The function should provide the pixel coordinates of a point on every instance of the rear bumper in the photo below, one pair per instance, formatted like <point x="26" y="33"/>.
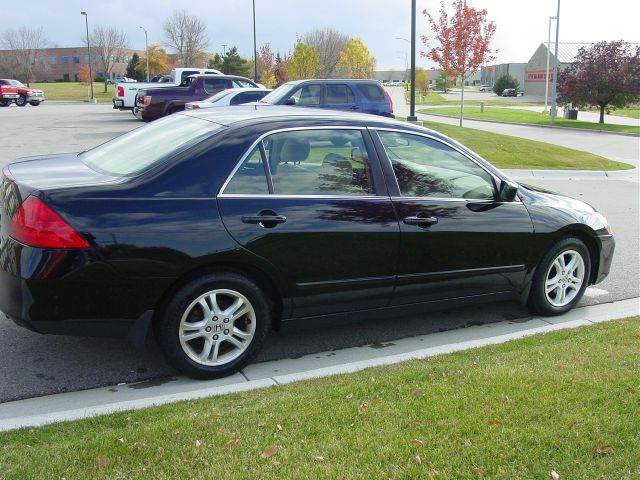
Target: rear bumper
<point x="118" y="104"/>
<point x="607" y="247"/>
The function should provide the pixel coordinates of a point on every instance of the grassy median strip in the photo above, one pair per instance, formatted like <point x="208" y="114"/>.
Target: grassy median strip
<point x="505" y="151"/>
<point x="74" y="91"/>
<point x="516" y="115"/>
<point x="434" y="98"/>
<point x="567" y="402"/>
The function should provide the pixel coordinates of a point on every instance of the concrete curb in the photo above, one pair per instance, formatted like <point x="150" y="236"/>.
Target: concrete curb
<point x="626" y="134"/>
<point x="632" y="175"/>
<point x="35" y="412"/>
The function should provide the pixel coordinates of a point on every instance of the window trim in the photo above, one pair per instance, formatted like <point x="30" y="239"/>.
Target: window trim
<point x="496" y="179"/>
<point x="259" y="140"/>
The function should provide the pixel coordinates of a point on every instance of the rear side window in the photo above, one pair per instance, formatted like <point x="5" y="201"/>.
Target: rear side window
<point x="240" y="83"/>
<point x="143" y="147"/>
<point x="214" y="85"/>
<point x="371" y="91"/>
<point x="250" y="178"/>
<point x="337" y="94"/>
<point x="247" y="97"/>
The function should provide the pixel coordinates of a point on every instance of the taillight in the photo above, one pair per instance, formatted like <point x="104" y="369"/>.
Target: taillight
<point x="390" y="101"/>
<point x="120" y="91"/>
<point x="37" y="225"/>
<point x="146" y="100"/>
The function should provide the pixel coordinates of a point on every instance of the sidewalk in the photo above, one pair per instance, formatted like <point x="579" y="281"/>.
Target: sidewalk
<point x="76" y="405"/>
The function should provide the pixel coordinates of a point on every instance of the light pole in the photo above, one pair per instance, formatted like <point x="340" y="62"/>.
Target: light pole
<point x="86" y="23"/>
<point x="554" y="104"/>
<point x="224" y="49"/>
<point x="406" y="57"/>
<point x="255" y="46"/>
<point x="412" y="111"/>
<point x="146" y="49"/>
<point x="546" y="74"/>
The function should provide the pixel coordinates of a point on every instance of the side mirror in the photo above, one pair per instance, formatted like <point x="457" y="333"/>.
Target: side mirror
<point x="290" y="101"/>
<point x="508" y="191"/>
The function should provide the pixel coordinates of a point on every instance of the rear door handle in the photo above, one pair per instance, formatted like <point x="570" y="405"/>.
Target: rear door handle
<point x="421" y="221"/>
<point x="263" y="219"/>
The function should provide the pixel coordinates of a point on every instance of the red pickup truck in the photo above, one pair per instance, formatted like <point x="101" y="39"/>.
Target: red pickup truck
<point x="8" y="94"/>
<point x="32" y="96"/>
<point x="152" y="103"/>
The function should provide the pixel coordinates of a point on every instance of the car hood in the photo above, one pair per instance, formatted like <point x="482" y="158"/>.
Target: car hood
<point x="533" y="195"/>
<point x="30" y="90"/>
<point x="47" y="172"/>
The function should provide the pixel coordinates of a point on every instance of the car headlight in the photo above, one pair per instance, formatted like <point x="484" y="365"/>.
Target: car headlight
<point x="604" y="222"/>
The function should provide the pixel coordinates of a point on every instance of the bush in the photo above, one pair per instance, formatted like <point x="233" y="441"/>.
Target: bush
<point x="99" y="80"/>
<point x="505" y="81"/>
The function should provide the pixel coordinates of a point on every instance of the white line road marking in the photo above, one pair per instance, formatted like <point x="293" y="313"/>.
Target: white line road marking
<point x="595" y="292"/>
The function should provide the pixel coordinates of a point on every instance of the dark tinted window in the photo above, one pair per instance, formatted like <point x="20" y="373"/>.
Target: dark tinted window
<point x="186" y="73"/>
<point x="247" y="97"/>
<point x="371" y="91"/>
<point x="214" y="85"/>
<point x="240" y="83"/>
<point x="336" y="94"/>
<point x="250" y="178"/>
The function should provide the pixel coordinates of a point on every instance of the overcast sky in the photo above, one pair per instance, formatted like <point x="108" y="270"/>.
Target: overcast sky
<point x="521" y="26"/>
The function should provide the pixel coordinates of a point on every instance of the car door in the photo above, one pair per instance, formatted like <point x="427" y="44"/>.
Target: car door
<point x="313" y="202"/>
<point x="339" y="96"/>
<point x="457" y="240"/>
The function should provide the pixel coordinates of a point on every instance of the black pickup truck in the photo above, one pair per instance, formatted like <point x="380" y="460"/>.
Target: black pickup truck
<point x="152" y="103"/>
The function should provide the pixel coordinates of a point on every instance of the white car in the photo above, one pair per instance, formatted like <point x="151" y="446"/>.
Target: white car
<point x="231" y="96"/>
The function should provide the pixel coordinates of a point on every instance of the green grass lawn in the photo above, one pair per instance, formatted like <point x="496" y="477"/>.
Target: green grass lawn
<point x="505" y="151"/>
<point x="567" y="402"/>
<point x="74" y="91"/>
<point x="620" y="112"/>
<point x="513" y="115"/>
<point x="433" y="98"/>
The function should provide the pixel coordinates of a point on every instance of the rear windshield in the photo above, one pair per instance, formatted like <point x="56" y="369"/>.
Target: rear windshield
<point x="143" y="147"/>
<point x="371" y="91"/>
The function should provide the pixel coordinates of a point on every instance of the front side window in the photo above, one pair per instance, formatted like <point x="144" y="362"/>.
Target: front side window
<point x="307" y="95"/>
<point x="428" y="168"/>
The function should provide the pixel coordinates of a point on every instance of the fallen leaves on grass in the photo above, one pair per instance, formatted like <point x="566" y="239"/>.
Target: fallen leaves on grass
<point x="198" y="443"/>
<point x="478" y="470"/>
<point x="319" y="458"/>
<point x="362" y="408"/>
<point x="418" y="393"/>
<point x="101" y="460"/>
<point x="468" y="443"/>
<point x="554" y="475"/>
<point x="270" y="452"/>
<point x="417" y="443"/>
<point x="279" y="427"/>
<point x="604" y="449"/>
<point x="418" y="460"/>
<point x="233" y="443"/>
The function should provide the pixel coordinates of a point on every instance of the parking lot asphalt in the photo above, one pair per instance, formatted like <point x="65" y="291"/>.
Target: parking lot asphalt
<point x="33" y="365"/>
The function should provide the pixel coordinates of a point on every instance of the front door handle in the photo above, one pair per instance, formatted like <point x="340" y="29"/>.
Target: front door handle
<point x="264" y="220"/>
<point x="421" y="221"/>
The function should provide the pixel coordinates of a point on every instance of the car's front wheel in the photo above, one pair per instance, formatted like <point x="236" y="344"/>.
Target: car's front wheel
<point x="21" y="101"/>
<point x="561" y="277"/>
<point x="214" y="325"/>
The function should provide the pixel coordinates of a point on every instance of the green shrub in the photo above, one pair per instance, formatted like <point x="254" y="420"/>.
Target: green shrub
<point x="505" y="81"/>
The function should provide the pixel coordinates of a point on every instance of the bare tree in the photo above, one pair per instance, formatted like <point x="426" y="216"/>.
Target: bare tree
<point x="329" y="43"/>
<point x="107" y="47"/>
<point x="23" y="45"/>
<point x="187" y="35"/>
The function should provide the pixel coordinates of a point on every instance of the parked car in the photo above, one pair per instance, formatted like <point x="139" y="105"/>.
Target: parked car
<point x="367" y="96"/>
<point x="485" y="88"/>
<point x="32" y="96"/>
<point x="161" y="79"/>
<point x="120" y="79"/>
<point x="153" y="103"/>
<point x="509" y="92"/>
<point x="125" y="95"/>
<point x="210" y="229"/>
<point x="8" y="94"/>
<point x="232" y="96"/>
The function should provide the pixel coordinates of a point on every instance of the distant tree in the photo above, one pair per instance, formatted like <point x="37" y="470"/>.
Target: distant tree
<point x="187" y="35"/>
<point x="505" y="81"/>
<point x="281" y="68"/>
<point x="422" y="81"/>
<point x="463" y="42"/>
<point x="107" y="45"/>
<point x="158" y="61"/>
<point x="443" y="82"/>
<point x="356" y="60"/>
<point x="133" y="70"/>
<point x="84" y="75"/>
<point x="305" y="62"/>
<point x="266" y="65"/>
<point x="230" y="63"/>
<point x="24" y="46"/>
<point x="329" y="43"/>
<point x="605" y="74"/>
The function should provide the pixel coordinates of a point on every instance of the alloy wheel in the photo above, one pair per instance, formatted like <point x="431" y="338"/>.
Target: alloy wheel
<point x="564" y="278"/>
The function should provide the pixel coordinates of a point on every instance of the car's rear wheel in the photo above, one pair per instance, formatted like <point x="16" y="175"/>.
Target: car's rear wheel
<point x="561" y="277"/>
<point x="214" y="325"/>
<point x="5" y="103"/>
<point x="21" y="101"/>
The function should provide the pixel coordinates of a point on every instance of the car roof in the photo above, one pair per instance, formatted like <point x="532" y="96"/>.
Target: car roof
<point x="215" y="75"/>
<point x="333" y="80"/>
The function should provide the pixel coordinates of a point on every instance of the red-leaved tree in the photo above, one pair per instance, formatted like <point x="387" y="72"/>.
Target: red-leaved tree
<point x="281" y="68"/>
<point x="605" y="74"/>
<point x="463" y="40"/>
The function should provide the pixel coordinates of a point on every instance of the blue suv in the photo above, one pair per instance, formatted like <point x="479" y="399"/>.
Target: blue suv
<point x="365" y="96"/>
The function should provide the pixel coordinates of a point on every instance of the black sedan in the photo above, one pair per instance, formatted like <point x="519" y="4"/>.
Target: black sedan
<point x="211" y="229"/>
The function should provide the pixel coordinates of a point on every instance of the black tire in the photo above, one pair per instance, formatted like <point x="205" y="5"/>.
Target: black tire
<point x="21" y="101"/>
<point x="5" y="103"/>
<point x="538" y="298"/>
<point x="167" y="328"/>
<point x="34" y="104"/>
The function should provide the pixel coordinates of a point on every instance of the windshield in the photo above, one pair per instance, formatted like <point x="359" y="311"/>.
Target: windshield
<point x="143" y="147"/>
<point x="16" y="83"/>
<point x="279" y="93"/>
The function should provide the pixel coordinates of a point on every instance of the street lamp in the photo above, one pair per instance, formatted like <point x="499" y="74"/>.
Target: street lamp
<point x="146" y="49"/>
<point x="255" y="45"/>
<point x="406" y="55"/>
<point x="224" y="49"/>
<point x="554" y="105"/>
<point x="546" y="75"/>
<point x="86" y="22"/>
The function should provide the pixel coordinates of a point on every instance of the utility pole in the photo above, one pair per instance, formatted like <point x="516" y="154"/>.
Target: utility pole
<point x="86" y="23"/>
<point x="146" y="49"/>
<point x="255" y="46"/>
<point x="554" y="105"/>
<point x="412" y="111"/>
<point x="546" y="72"/>
<point x="224" y="49"/>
